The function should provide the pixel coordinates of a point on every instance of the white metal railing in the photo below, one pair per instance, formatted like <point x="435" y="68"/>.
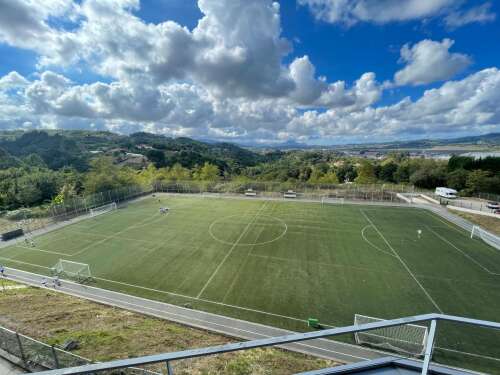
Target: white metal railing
<point x="168" y="358"/>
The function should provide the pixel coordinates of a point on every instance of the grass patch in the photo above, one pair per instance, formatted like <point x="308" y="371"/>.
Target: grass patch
<point x="487" y="222"/>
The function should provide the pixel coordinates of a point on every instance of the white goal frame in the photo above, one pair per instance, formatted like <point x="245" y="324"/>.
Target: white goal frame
<point x="408" y="339"/>
<point x="487" y="237"/>
<point x="74" y="270"/>
<point x="103" y="209"/>
<point x="332" y="200"/>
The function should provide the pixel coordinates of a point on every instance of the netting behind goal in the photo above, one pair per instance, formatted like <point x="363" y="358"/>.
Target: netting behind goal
<point x="408" y="339"/>
<point x="74" y="270"/>
<point x="487" y="237"/>
<point x="332" y="200"/>
<point x="102" y="209"/>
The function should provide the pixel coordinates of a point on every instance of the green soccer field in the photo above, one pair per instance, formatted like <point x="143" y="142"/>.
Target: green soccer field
<point x="280" y="263"/>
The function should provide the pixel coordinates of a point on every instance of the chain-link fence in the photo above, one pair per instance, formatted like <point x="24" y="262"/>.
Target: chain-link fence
<point x="34" y="355"/>
<point x="314" y="192"/>
<point x="31" y="220"/>
<point x="488" y="196"/>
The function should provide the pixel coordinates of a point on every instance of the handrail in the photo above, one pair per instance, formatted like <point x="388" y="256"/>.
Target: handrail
<point x="296" y="337"/>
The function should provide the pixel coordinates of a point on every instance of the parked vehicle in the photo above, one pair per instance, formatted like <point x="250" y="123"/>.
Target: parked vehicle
<point x="446" y="192"/>
<point x="493" y="205"/>
<point x="496" y="212"/>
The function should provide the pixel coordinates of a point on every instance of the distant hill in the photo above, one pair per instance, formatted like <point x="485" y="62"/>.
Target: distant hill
<point x="486" y="140"/>
<point x="492" y="139"/>
<point x="75" y="148"/>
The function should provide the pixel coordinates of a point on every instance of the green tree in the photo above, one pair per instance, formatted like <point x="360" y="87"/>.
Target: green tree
<point x="479" y="181"/>
<point x="329" y="178"/>
<point x="315" y="176"/>
<point x="28" y="194"/>
<point x="178" y="173"/>
<point x="208" y="172"/>
<point x="457" y="179"/>
<point x="387" y="171"/>
<point x="346" y="172"/>
<point x="366" y="173"/>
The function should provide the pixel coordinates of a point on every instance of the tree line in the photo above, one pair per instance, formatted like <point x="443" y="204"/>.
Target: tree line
<point x="33" y="183"/>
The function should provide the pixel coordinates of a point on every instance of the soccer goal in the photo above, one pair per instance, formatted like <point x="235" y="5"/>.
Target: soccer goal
<point x="487" y="237"/>
<point x="327" y="199"/>
<point x="408" y="339"/>
<point x="102" y="209"/>
<point x="74" y="270"/>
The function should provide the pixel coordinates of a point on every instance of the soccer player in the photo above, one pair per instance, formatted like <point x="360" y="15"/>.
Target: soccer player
<point x="419" y="233"/>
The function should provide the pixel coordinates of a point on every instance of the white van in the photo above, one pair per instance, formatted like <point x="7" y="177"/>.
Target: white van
<point x="446" y="192"/>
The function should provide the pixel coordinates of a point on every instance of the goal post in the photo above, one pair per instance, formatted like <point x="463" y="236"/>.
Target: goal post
<point x="74" y="270"/>
<point x="408" y="339"/>
<point x="103" y="209"/>
<point x="489" y="238"/>
<point x="331" y="200"/>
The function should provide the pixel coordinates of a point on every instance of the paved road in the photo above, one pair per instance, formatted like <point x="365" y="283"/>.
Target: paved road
<point x="217" y="323"/>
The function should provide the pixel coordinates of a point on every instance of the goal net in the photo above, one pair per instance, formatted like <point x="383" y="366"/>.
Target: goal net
<point x="332" y="200"/>
<point x="74" y="270"/>
<point x="487" y="237"/>
<point x="408" y="339"/>
<point x="102" y="209"/>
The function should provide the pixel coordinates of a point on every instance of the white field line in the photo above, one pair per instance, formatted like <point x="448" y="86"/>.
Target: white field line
<point x="230" y="251"/>
<point x="463" y="253"/>
<point x="26" y="263"/>
<point x="170" y="293"/>
<point x="238" y="274"/>
<point x="270" y="257"/>
<point x="455" y="227"/>
<point x="371" y="244"/>
<point x="403" y="263"/>
<point x="30" y="282"/>
<point x="467" y="353"/>
<point x="32" y="248"/>
<point x="202" y="325"/>
<point x="202" y="300"/>
<point x="105" y="235"/>
<point x="109" y="237"/>
<point x="471" y="282"/>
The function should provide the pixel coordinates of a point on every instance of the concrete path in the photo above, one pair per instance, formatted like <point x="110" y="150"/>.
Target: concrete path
<point x="7" y="368"/>
<point x="217" y="323"/>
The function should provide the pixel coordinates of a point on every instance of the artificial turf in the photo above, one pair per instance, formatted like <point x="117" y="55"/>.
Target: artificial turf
<point x="279" y="263"/>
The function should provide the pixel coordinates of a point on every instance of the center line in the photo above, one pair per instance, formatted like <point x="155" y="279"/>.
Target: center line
<point x="231" y="250"/>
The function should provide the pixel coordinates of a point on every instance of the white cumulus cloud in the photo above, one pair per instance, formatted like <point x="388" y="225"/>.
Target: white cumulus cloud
<point x="350" y="12"/>
<point x="430" y="61"/>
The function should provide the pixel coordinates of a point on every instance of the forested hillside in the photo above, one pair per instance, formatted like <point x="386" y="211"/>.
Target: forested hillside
<point x="45" y="167"/>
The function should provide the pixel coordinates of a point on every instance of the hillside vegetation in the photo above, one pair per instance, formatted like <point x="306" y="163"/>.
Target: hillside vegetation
<point x="46" y="167"/>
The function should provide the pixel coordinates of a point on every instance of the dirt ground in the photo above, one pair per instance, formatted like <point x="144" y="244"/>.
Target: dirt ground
<point x="106" y="333"/>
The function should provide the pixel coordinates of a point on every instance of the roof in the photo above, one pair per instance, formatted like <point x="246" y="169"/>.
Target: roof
<point x="387" y="366"/>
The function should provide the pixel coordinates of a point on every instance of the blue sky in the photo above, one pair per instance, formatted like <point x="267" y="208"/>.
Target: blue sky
<point x="314" y="71"/>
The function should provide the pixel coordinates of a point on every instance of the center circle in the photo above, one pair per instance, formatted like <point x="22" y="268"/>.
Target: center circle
<point x="230" y="220"/>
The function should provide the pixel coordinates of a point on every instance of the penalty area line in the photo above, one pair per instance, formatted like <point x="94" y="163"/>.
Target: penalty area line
<point x="403" y="263"/>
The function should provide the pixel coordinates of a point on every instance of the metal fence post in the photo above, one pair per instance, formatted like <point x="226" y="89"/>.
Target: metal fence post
<point x="54" y="353"/>
<point x="429" y="348"/>
<point x="21" y="350"/>
<point x="170" y="371"/>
